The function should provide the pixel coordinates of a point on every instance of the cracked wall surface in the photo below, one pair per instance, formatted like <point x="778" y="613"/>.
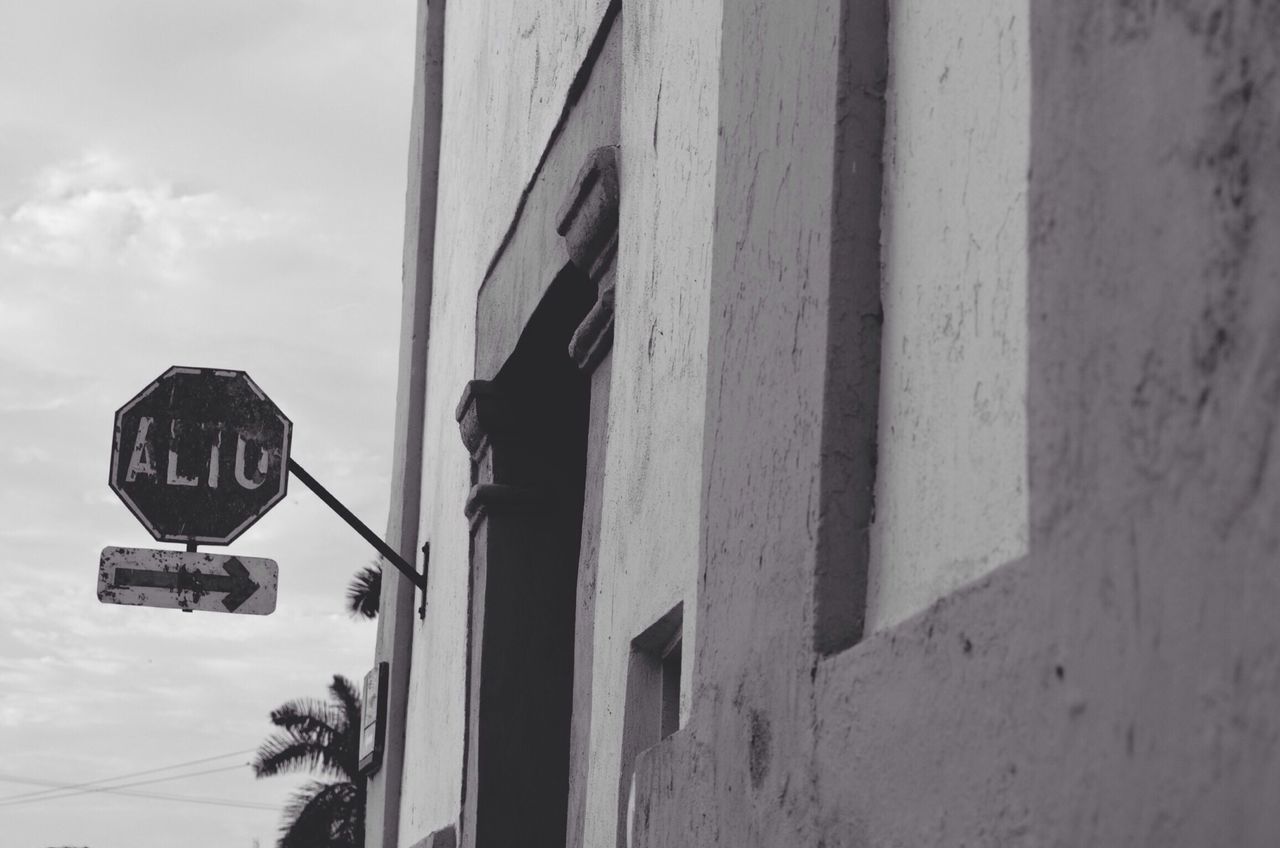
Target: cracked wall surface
<point x="951" y="481"/>
<point x="1108" y="671"/>
<point x="1119" y="683"/>
<point x="493" y="133"/>
<point x="657" y="398"/>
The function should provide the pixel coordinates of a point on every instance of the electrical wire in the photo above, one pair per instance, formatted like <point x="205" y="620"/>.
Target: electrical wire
<point x="186" y="799"/>
<point x="5" y="798"/>
<point x="71" y="791"/>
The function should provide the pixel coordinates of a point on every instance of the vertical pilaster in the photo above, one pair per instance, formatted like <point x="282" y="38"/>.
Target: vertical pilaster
<point x="396" y="605"/>
<point x="588" y="222"/>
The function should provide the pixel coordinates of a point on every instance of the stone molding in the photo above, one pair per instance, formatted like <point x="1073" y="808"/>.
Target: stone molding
<point x="483" y="415"/>
<point x="588" y="222"/>
<point x="588" y="218"/>
<point x="594" y="336"/>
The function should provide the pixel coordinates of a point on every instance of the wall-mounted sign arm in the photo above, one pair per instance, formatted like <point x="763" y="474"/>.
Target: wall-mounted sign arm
<point x="419" y="580"/>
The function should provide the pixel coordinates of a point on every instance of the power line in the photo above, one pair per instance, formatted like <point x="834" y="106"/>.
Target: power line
<point x="71" y="791"/>
<point x="219" y="802"/>
<point x="186" y="799"/>
<point x="6" y="798"/>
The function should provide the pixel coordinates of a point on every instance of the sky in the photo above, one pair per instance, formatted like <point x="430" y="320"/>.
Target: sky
<point x="204" y="184"/>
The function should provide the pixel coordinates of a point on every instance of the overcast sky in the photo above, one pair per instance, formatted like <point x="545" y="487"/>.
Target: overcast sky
<point x="182" y="183"/>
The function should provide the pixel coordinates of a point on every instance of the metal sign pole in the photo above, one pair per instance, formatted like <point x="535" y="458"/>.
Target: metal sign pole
<point x="191" y="549"/>
<point x="418" y="580"/>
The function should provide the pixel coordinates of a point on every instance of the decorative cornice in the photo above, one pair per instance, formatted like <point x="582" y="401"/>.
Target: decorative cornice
<point x="483" y="414"/>
<point x="588" y="221"/>
<point x="588" y="218"/>
<point x="594" y="336"/>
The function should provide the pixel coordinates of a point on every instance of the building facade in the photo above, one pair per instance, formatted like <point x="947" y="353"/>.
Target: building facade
<point x="828" y="423"/>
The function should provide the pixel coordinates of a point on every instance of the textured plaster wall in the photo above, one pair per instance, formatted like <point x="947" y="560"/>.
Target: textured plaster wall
<point x="649" y="537"/>
<point x="396" y="617"/>
<point x="951" y="483"/>
<point x="739" y="773"/>
<point x="1120" y="683"/>
<point x="493" y="133"/>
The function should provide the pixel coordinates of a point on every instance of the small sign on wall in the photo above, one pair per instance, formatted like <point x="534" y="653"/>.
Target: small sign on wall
<point x="373" y="719"/>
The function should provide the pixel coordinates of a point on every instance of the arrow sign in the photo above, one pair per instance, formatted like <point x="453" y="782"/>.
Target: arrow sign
<point x="187" y="580"/>
<point x="236" y="584"/>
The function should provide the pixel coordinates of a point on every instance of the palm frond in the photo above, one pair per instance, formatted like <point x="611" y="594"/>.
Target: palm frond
<point x="364" y="592"/>
<point x="314" y="734"/>
<point x="307" y="716"/>
<point x="324" y="814"/>
<point x="281" y="754"/>
<point x="321" y="736"/>
<point x="345" y="695"/>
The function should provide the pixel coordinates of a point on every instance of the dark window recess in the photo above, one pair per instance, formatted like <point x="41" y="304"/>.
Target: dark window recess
<point x="652" y="711"/>
<point x="670" y="719"/>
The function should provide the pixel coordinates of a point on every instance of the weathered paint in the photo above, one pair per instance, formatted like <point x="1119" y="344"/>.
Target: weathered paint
<point x="1114" y="685"/>
<point x="494" y="132"/>
<point x="951" y="481"/>
<point x="200" y="455"/>
<point x="187" y="580"/>
<point x="1118" y="684"/>
<point x="396" y="618"/>
<point x="649" y="534"/>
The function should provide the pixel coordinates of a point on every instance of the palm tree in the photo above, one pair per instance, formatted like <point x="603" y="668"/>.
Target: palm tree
<point x="321" y="736"/>
<point x="365" y="590"/>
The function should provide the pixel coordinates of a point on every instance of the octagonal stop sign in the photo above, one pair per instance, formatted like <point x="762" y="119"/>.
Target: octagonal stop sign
<point x="200" y="455"/>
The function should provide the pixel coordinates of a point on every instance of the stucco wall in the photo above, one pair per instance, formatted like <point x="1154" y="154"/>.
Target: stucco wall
<point x="1116" y="685"/>
<point x="1120" y="683"/>
<point x="649" y="525"/>
<point x="493" y="133"/>
<point x="396" y="617"/>
<point x="951" y="490"/>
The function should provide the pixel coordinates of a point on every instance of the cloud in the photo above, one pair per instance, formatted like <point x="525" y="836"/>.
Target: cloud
<point x="68" y="661"/>
<point x="26" y="405"/>
<point x="206" y="184"/>
<point x="27" y="455"/>
<point x="97" y="211"/>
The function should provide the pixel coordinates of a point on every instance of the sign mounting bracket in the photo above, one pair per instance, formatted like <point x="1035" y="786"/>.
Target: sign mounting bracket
<point x="417" y="578"/>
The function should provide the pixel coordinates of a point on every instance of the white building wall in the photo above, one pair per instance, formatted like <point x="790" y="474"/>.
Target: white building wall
<point x="651" y="516"/>
<point x="948" y="506"/>
<point x="507" y="73"/>
<point x="951" y="487"/>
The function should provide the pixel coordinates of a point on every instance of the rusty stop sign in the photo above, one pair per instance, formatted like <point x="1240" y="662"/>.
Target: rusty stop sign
<point x="200" y="455"/>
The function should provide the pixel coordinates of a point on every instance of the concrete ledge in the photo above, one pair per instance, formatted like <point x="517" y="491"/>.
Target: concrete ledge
<point x="446" y="837"/>
<point x="668" y="792"/>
